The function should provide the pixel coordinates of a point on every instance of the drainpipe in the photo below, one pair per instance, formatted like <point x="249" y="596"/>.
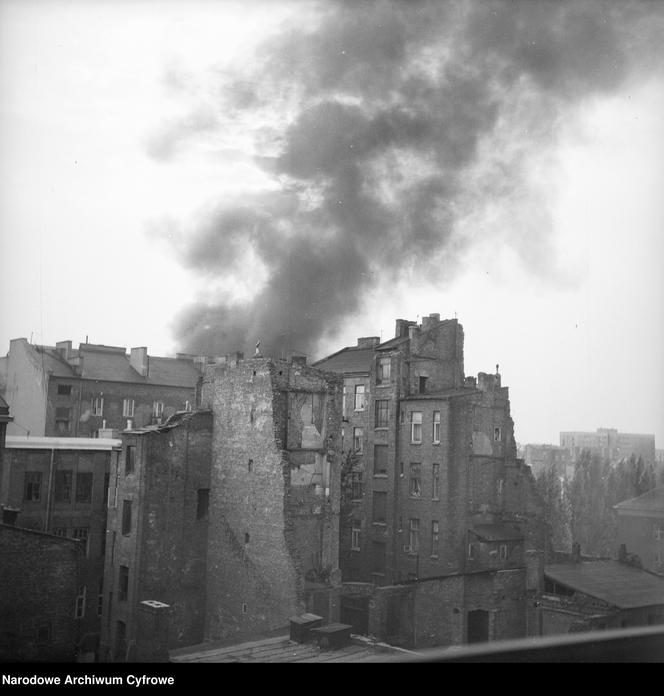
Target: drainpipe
<point x="49" y="494"/>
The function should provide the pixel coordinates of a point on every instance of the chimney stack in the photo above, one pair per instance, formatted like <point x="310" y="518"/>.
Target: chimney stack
<point x="139" y="360"/>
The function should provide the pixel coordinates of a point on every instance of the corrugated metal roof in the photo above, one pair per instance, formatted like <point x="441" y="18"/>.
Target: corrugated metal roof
<point x="61" y="443"/>
<point x="652" y="501"/>
<point x="615" y="583"/>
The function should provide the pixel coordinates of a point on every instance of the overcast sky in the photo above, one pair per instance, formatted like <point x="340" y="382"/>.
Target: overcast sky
<point x="203" y="175"/>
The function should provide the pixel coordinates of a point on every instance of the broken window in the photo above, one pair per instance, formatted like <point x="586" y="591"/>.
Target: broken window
<point x="415" y="487"/>
<point x="63" y="481"/>
<point x="380" y="507"/>
<point x="382" y="413"/>
<point x="416" y="427"/>
<point x="203" y="502"/>
<point x="380" y="459"/>
<point x="98" y="406"/>
<point x="84" y="487"/>
<point x="62" y="419"/>
<point x="33" y="486"/>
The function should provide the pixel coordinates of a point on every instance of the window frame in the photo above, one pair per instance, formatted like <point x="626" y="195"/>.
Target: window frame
<point x="31" y="480"/>
<point x="360" y="398"/>
<point x="383" y="375"/>
<point x="435" y="481"/>
<point x="128" y="412"/>
<point x="415" y="480"/>
<point x="414" y="534"/>
<point x="435" y="538"/>
<point x="436" y="428"/>
<point x="98" y="406"/>
<point x="80" y="477"/>
<point x="123" y="583"/>
<point x="355" y="535"/>
<point x="382" y="413"/>
<point x="79" y="607"/>
<point x="126" y="523"/>
<point x="358" y="440"/>
<point x="415" y="424"/>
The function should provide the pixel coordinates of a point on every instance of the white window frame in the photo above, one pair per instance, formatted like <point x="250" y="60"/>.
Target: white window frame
<point x="157" y="409"/>
<point x="127" y="408"/>
<point x="416" y="427"/>
<point x="414" y="534"/>
<point x="359" y="403"/>
<point x="436" y="428"/>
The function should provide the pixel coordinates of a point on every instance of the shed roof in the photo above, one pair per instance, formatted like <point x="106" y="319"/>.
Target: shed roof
<point x="612" y="582"/>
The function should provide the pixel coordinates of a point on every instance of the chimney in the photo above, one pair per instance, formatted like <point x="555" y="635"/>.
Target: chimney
<point x="368" y="342"/>
<point x="64" y="348"/>
<point x="576" y="552"/>
<point x="401" y="330"/>
<point x="430" y="321"/>
<point x="412" y="328"/>
<point x="153" y="624"/>
<point x="139" y="360"/>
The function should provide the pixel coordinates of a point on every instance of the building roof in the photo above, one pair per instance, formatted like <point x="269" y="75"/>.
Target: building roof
<point x="62" y="443"/>
<point x="497" y="532"/>
<point x="112" y="364"/>
<point x="282" y="649"/>
<point x="615" y="583"/>
<point x="652" y="501"/>
<point x="351" y="359"/>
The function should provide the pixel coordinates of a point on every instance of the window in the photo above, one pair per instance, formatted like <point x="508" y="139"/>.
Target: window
<point x="380" y="459"/>
<point x="383" y="370"/>
<point x="123" y="583"/>
<point x="158" y="409"/>
<point x="657" y="531"/>
<point x="100" y="598"/>
<point x="435" y="538"/>
<point x="435" y="481"/>
<point x="415" y="487"/>
<point x="436" y="427"/>
<point x="44" y="633"/>
<point x="380" y="507"/>
<point x="84" y="487"/>
<point x="422" y="385"/>
<point x="359" y="397"/>
<point x="130" y="456"/>
<point x="98" y="406"/>
<point x="503" y="552"/>
<point x="414" y="535"/>
<point x="378" y="557"/>
<point x="246" y="538"/>
<point x="355" y="531"/>
<point x="60" y="531"/>
<point x="82" y="534"/>
<point x="128" y="408"/>
<point x="187" y="405"/>
<point x="358" y="440"/>
<point x="416" y="427"/>
<point x="496" y="434"/>
<point x="126" y="517"/>
<point x="64" y="389"/>
<point x="107" y="481"/>
<point x="250" y="465"/>
<point x="382" y="413"/>
<point x="33" y="486"/>
<point x="471" y="552"/>
<point x="499" y="490"/>
<point x="203" y="503"/>
<point x="356" y="485"/>
<point x="245" y="608"/>
<point x="79" y="612"/>
<point x="63" y="481"/>
<point x="62" y="419"/>
<point x="343" y="403"/>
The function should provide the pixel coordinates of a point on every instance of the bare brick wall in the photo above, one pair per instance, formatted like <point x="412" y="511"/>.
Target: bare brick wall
<point x="39" y="579"/>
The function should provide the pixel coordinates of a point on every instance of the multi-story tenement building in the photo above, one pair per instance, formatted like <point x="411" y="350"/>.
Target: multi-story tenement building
<point x="641" y="528"/>
<point x="609" y="444"/>
<point x="59" y="486"/>
<point x="157" y="539"/>
<point x="228" y="518"/>
<point x="434" y="493"/>
<point x="543" y="457"/>
<point x="62" y="392"/>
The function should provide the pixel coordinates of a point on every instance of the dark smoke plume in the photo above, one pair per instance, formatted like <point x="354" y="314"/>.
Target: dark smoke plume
<point x="392" y="125"/>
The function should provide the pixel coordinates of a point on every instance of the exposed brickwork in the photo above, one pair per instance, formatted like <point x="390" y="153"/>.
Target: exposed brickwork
<point x="274" y="517"/>
<point x="39" y="581"/>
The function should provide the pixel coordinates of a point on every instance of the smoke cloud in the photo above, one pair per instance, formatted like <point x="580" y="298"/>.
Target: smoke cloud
<point x="388" y="130"/>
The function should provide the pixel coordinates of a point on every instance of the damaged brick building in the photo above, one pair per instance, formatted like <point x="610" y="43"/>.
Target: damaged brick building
<point x="227" y="519"/>
<point x="442" y="531"/>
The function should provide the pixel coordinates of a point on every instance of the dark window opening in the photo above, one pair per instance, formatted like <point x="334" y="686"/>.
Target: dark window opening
<point x="84" y="487"/>
<point x="130" y="456"/>
<point x="123" y="583"/>
<point x="33" y="486"/>
<point x="382" y="413"/>
<point x="423" y="385"/>
<point x="378" y="557"/>
<point x="64" y="389"/>
<point x="250" y="464"/>
<point x="203" y="503"/>
<point x="380" y="459"/>
<point x="246" y="538"/>
<point x="126" y="517"/>
<point x="380" y="507"/>
<point x="63" y="481"/>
